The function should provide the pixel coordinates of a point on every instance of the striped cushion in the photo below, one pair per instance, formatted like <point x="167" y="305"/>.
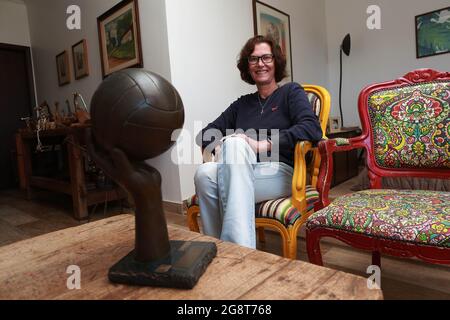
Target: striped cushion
<point x="280" y="209"/>
<point x="315" y="102"/>
<point x="283" y="210"/>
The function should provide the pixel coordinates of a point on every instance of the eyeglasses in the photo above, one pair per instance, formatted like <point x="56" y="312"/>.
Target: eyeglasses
<point x="265" y="58"/>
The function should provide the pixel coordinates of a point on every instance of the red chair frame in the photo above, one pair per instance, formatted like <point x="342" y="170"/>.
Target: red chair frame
<point x="427" y="253"/>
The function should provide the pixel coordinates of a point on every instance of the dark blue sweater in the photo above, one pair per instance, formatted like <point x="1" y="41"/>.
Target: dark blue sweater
<point x="287" y="110"/>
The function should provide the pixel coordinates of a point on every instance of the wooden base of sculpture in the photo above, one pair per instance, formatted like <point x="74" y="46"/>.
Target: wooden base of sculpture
<point x="183" y="267"/>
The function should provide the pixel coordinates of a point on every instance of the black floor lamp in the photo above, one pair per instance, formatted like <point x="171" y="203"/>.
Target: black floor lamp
<point x="345" y="47"/>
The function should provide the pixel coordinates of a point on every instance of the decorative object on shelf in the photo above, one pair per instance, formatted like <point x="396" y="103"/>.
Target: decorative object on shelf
<point x="345" y="47"/>
<point x="270" y="21"/>
<point x="119" y="36"/>
<point x="43" y="123"/>
<point x="80" y="59"/>
<point x="433" y="33"/>
<point x="334" y="124"/>
<point x="63" y="68"/>
<point x="81" y="111"/>
<point x="142" y="125"/>
<point x="57" y="116"/>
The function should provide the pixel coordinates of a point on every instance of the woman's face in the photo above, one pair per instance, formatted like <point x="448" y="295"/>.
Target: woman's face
<point x="263" y="73"/>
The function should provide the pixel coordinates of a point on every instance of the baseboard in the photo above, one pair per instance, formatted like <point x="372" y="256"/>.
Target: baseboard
<point x="173" y="207"/>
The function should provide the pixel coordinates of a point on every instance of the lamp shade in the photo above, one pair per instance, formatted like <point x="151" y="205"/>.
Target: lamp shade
<point x="346" y="44"/>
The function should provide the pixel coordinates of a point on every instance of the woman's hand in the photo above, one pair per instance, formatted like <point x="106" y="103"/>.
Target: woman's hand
<point x="257" y="146"/>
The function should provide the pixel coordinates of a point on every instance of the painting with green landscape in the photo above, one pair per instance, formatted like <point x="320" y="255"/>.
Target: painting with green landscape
<point x="119" y="39"/>
<point x="433" y="33"/>
<point x="119" y="36"/>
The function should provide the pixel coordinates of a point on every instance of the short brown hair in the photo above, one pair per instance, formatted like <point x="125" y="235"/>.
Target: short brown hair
<point x="249" y="47"/>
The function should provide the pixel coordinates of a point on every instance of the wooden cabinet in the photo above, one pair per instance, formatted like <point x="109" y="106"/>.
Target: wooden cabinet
<point x="73" y="161"/>
<point x="345" y="163"/>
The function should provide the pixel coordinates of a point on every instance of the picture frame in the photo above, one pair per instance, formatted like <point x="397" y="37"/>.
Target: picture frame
<point x="334" y="124"/>
<point x="80" y="59"/>
<point x="268" y="20"/>
<point x="63" y="68"/>
<point x="433" y="33"/>
<point x="120" y="37"/>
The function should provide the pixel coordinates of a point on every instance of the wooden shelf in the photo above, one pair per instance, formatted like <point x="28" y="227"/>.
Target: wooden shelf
<point x="76" y="187"/>
<point x="51" y="184"/>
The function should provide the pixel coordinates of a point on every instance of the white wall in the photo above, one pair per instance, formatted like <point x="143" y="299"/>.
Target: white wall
<point x="204" y="42"/>
<point x="50" y="36"/>
<point x="308" y="36"/>
<point x="377" y="55"/>
<point x="155" y="49"/>
<point x="14" y="23"/>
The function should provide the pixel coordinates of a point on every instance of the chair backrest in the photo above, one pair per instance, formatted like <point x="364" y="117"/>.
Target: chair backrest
<point x="320" y="100"/>
<point x="406" y="126"/>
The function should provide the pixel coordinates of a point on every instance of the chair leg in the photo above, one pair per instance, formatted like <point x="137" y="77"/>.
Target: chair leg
<point x="293" y="243"/>
<point x="376" y="258"/>
<point x="192" y="214"/>
<point x="261" y="235"/>
<point x="313" y="247"/>
<point x="285" y="244"/>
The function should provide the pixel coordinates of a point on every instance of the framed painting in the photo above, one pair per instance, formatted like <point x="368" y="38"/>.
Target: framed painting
<point x="80" y="59"/>
<point x="334" y="124"/>
<point x="433" y="33"/>
<point x="119" y="36"/>
<point x="63" y="68"/>
<point x="269" y="21"/>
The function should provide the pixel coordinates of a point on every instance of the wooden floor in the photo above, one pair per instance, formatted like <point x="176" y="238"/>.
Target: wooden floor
<point x="401" y="278"/>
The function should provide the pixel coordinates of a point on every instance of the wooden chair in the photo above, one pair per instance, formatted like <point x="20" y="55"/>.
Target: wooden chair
<point x="406" y="133"/>
<point x="286" y="215"/>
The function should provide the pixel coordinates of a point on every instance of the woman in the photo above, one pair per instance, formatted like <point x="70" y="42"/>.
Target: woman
<point x="274" y="119"/>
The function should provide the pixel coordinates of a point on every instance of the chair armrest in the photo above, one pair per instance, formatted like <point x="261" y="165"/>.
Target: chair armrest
<point x="326" y="149"/>
<point x="299" y="177"/>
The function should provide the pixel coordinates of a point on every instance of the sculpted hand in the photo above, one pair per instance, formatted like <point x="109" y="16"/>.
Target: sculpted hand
<point x="144" y="184"/>
<point x="135" y="177"/>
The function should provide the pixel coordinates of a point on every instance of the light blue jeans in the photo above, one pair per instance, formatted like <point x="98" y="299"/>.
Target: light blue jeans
<point x="228" y="190"/>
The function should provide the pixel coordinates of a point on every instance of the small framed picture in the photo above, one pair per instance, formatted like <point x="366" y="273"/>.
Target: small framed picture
<point x="80" y="59"/>
<point x="63" y="68"/>
<point x="334" y="124"/>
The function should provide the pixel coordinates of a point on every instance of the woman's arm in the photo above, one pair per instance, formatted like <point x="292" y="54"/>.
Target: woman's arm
<point x="210" y="136"/>
<point x="305" y="125"/>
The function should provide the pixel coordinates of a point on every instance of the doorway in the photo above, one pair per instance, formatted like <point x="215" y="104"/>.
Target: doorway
<point x="17" y="99"/>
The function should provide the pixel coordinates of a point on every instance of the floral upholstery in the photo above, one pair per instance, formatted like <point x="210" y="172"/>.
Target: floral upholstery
<point x="421" y="217"/>
<point x="411" y="126"/>
<point x="280" y="209"/>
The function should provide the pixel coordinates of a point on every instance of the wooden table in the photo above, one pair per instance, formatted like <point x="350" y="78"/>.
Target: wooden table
<point x="36" y="269"/>
<point x="76" y="187"/>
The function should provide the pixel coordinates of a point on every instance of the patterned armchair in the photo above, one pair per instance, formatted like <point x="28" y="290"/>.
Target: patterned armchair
<point x="286" y="215"/>
<point x="406" y="132"/>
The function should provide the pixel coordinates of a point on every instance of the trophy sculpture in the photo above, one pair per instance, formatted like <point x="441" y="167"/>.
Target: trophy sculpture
<point x="134" y="113"/>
